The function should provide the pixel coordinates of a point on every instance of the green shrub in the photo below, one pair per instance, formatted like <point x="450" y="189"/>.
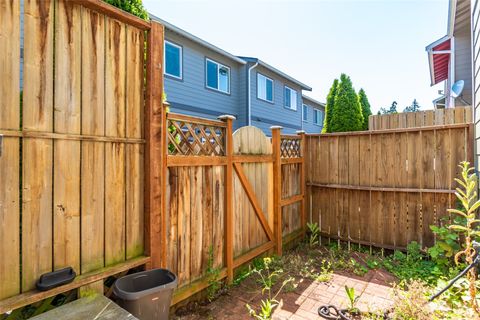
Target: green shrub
<point x="365" y="105"/>
<point x="134" y="7"/>
<point x="347" y="113"/>
<point x="329" y="107"/>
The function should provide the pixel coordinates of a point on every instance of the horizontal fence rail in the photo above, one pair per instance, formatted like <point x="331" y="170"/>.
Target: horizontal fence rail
<point x="385" y="188"/>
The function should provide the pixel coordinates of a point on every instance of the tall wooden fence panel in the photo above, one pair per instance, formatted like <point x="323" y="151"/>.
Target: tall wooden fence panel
<point x="420" y="118"/>
<point x="72" y="161"/>
<point x="385" y="188"/>
<point x="220" y="197"/>
<point x="195" y="198"/>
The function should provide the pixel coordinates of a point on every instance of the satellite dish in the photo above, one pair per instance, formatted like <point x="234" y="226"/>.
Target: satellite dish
<point x="457" y="88"/>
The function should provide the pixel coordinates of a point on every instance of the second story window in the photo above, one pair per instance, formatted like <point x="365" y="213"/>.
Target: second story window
<point x="317" y="117"/>
<point x="305" y="113"/>
<point x="173" y="60"/>
<point x="290" y="98"/>
<point x="264" y="88"/>
<point x="217" y="76"/>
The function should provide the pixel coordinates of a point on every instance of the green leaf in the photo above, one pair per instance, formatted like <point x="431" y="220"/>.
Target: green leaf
<point x="458" y="228"/>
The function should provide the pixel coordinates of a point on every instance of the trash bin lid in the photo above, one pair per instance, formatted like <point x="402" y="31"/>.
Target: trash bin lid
<point x="137" y="285"/>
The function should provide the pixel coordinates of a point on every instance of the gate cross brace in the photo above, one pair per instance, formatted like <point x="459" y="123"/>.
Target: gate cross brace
<point x="253" y="199"/>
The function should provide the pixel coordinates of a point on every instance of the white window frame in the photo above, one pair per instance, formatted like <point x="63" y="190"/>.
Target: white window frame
<point x="165" y="60"/>
<point x="318" y="116"/>
<point x="273" y="88"/>
<point x="305" y="106"/>
<point x="219" y="65"/>
<point x="285" y="99"/>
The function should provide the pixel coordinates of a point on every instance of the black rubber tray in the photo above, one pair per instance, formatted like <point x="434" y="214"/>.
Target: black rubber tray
<point x="56" y="278"/>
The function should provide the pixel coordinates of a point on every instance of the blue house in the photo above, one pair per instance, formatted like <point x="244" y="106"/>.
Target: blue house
<point x="313" y="112"/>
<point x="206" y="81"/>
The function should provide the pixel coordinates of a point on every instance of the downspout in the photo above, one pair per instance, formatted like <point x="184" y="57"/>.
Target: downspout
<point x="249" y="102"/>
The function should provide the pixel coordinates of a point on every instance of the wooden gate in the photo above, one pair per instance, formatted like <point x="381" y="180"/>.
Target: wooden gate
<point x="228" y="197"/>
<point x="252" y="193"/>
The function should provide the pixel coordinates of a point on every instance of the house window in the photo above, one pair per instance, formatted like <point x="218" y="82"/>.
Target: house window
<point x="264" y="88"/>
<point x="173" y="60"/>
<point x="305" y="113"/>
<point x="317" y="117"/>
<point x="290" y="98"/>
<point x="218" y="76"/>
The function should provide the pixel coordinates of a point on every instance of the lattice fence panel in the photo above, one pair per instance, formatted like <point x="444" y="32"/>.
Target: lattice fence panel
<point x="290" y="147"/>
<point x="194" y="139"/>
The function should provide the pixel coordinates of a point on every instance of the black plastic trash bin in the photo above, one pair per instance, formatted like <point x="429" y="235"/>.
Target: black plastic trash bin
<point x="148" y="294"/>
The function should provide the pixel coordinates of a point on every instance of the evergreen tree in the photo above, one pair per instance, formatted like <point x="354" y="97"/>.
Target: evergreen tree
<point x="329" y="107"/>
<point x="134" y="7"/>
<point x="347" y="112"/>
<point x="414" y="107"/>
<point x="366" y="111"/>
<point x="390" y="110"/>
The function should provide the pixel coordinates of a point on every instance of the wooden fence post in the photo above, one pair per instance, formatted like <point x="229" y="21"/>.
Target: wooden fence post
<point x="164" y="213"/>
<point x="303" y="152"/>
<point x="154" y="134"/>
<point x="229" y="196"/>
<point x="277" y="188"/>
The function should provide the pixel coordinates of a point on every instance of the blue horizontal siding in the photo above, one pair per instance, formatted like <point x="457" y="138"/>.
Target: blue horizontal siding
<point x="191" y="91"/>
<point x="275" y="112"/>
<point x="309" y="126"/>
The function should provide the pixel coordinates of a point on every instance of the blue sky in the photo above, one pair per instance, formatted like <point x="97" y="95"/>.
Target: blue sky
<point x="380" y="44"/>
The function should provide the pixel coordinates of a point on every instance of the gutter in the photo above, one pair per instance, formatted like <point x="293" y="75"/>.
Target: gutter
<point x="249" y="98"/>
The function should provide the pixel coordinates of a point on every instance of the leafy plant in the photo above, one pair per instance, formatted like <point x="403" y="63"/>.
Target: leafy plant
<point x="447" y="243"/>
<point x="313" y="233"/>
<point x="373" y="263"/>
<point x="352" y="299"/>
<point x="266" y="310"/>
<point x="134" y="7"/>
<point x="467" y="195"/>
<point x="213" y="275"/>
<point x="413" y="265"/>
<point x="268" y="277"/>
<point x="357" y="268"/>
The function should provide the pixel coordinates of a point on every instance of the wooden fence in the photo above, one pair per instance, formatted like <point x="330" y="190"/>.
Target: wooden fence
<point x="224" y="196"/>
<point x="421" y="119"/>
<point x="385" y="188"/>
<point x="72" y="164"/>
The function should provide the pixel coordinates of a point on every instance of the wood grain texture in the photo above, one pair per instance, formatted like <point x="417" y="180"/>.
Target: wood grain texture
<point x="153" y="135"/>
<point x="93" y="153"/>
<point x="10" y="64"/>
<point x="115" y="220"/>
<point x="37" y="224"/>
<point x="10" y="159"/>
<point x="115" y="125"/>
<point x="67" y="115"/>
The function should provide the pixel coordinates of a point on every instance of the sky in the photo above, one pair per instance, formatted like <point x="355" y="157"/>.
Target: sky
<point x="380" y="44"/>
